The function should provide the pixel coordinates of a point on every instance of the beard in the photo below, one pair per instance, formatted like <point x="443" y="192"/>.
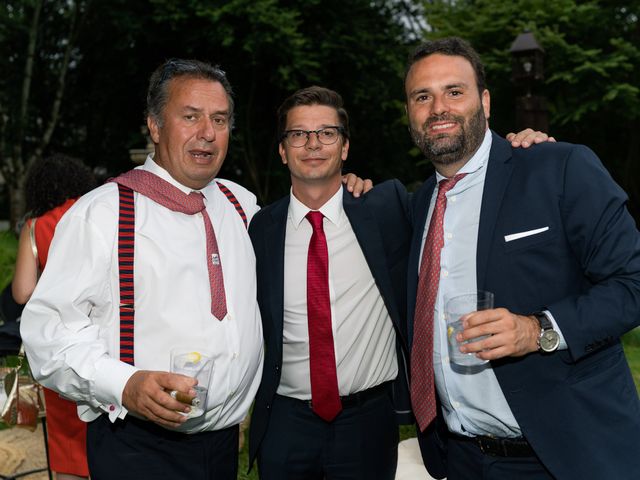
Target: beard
<point x="444" y="149"/>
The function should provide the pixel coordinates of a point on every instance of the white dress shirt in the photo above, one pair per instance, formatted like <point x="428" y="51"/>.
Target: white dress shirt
<point x="70" y="327"/>
<point x="363" y="335"/>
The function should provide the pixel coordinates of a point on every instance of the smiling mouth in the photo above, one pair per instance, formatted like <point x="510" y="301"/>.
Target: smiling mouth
<point x="442" y="126"/>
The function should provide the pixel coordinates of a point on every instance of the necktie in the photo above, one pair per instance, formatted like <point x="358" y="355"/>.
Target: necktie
<point x="423" y="397"/>
<point x="162" y="192"/>
<point x="325" y="398"/>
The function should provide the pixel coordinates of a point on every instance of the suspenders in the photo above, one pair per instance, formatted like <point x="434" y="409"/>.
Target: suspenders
<point x="126" y="237"/>
<point x="126" y="225"/>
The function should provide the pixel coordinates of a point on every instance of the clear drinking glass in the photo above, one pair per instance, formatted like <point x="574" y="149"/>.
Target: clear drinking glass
<point x="192" y="363"/>
<point x="456" y="307"/>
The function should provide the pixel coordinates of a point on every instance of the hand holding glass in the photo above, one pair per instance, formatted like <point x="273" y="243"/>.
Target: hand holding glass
<point x="457" y="307"/>
<point x="194" y="364"/>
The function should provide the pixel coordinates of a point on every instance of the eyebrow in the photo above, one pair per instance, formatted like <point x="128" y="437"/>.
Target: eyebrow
<point x="446" y="87"/>
<point x="189" y="108"/>
<point x="322" y="125"/>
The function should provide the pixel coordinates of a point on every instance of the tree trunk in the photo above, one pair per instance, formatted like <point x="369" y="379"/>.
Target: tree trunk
<point x="17" y="204"/>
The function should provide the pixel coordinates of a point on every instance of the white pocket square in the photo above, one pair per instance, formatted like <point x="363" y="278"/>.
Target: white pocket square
<point x="528" y="233"/>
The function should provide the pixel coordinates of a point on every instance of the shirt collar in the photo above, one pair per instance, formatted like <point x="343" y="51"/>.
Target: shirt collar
<point x="150" y="165"/>
<point x="478" y="160"/>
<point x="332" y="210"/>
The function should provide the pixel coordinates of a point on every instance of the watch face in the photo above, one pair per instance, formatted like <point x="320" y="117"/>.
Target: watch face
<point x="549" y="340"/>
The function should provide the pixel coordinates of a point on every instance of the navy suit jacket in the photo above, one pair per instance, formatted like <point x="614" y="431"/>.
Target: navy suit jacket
<point x="380" y="221"/>
<point x="577" y="407"/>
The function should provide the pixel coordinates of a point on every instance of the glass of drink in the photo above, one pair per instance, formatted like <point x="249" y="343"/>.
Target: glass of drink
<point x="193" y="363"/>
<point x="456" y="307"/>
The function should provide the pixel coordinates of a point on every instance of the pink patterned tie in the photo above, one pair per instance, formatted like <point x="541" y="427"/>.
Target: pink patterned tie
<point x="423" y="396"/>
<point x="325" y="397"/>
<point x="162" y="192"/>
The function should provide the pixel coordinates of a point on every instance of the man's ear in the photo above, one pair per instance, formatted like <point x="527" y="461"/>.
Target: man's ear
<point x="154" y="129"/>
<point x="283" y="153"/>
<point x="486" y="103"/>
<point x="345" y="149"/>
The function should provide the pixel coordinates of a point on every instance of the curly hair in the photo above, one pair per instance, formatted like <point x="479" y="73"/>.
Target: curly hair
<point x="53" y="180"/>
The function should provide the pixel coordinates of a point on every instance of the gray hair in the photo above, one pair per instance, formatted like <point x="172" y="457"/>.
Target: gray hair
<point x="158" y="92"/>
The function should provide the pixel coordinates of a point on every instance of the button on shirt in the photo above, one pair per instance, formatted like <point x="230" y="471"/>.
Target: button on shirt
<point x="364" y="338"/>
<point x="473" y="403"/>
<point x="71" y="325"/>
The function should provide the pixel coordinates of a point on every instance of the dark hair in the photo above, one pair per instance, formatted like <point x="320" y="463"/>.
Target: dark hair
<point x="53" y="180"/>
<point x="313" y="96"/>
<point x="452" y="46"/>
<point x="158" y="92"/>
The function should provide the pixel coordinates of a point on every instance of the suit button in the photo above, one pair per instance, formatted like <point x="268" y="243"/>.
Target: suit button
<point x="268" y="406"/>
<point x="277" y="368"/>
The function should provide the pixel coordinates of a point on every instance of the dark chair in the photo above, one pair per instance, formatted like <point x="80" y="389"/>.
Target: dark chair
<point x="10" y="312"/>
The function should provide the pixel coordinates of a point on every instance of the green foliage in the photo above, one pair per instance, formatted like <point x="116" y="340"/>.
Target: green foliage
<point x="591" y="65"/>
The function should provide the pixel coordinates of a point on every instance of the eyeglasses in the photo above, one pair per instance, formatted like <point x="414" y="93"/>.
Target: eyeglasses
<point x="326" y="136"/>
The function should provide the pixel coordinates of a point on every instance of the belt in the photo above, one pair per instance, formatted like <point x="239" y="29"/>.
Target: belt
<point x="499" y="447"/>
<point x="358" y="398"/>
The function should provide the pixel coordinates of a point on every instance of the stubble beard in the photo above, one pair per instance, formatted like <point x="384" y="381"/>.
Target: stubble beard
<point x="445" y="149"/>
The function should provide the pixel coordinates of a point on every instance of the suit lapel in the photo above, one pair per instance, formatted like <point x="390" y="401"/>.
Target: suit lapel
<point x="368" y="235"/>
<point x="499" y="172"/>
<point x="274" y="239"/>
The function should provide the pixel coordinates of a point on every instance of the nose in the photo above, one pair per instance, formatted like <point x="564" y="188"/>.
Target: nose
<point x="207" y="132"/>
<point x="439" y="105"/>
<point x="313" y="143"/>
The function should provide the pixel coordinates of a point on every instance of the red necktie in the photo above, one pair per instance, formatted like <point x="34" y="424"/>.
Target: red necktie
<point x="325" y="398"/>
<point x="162" y="192"/>
<point x="423" y="396"/>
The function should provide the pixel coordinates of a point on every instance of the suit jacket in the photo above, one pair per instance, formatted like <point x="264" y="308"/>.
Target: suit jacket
<point x="380" y="221"/>
<point x="578" y="407"/>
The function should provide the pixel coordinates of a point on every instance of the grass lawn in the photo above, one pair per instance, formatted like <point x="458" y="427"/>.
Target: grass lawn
<point x="8" y="247"/>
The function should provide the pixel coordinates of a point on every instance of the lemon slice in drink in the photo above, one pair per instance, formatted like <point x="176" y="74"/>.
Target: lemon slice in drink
<point x="449" y="331"/>
<point x="193" y="357"/>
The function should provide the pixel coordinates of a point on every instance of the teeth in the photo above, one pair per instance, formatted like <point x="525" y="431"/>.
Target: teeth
<point x="201" y="154"/>
<point x="440" y="127"/>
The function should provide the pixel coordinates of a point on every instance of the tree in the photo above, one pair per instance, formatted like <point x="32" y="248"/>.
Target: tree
<point x="33" y="84"/>
<point x="592" y="76"/>
<point x="271" y="48"/>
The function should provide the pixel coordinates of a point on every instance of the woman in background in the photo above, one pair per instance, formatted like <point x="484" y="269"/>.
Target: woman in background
<point x="52" y="186"/>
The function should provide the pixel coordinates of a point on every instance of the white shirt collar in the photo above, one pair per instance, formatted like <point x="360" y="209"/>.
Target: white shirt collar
<point x="332" y="210"/>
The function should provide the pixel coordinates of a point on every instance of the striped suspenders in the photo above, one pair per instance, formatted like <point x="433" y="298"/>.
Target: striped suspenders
<point x="126" y="234"/>
<point x="126" y="237"/>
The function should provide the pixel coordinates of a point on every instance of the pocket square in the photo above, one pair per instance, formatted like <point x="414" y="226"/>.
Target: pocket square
<point x="528" y="233"/>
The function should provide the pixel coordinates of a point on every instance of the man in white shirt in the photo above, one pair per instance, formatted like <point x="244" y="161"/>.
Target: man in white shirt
<point x="338" y="419"/>
<point x="72" y="326"/>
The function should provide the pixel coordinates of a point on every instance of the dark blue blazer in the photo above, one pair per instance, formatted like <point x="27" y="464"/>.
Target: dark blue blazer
<point x="577" y="407"/>
<point x="380" y="221"/>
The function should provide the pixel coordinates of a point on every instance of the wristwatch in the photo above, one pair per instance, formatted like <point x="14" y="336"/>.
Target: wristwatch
<point x="549" y="339"/>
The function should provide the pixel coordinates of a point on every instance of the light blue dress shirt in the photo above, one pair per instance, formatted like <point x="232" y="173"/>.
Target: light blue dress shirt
<point x="472" y="401"/>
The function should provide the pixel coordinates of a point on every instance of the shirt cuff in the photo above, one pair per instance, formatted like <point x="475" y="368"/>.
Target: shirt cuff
<point x="562" y="345"/>
<point x="111" y="377"/>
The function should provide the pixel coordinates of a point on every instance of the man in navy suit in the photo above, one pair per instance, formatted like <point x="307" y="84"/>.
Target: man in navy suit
<point x="547" y="231"/>
<point x="367" y="242"/>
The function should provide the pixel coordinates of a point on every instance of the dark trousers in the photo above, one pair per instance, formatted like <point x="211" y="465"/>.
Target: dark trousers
<point x="361" y="443"/>
<point x="465" y="461"/>
<point x="138" y="450"/>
